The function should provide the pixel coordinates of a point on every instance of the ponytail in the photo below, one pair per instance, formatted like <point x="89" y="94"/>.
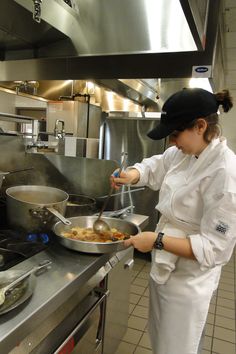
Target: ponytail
<point x="224" y="99"/>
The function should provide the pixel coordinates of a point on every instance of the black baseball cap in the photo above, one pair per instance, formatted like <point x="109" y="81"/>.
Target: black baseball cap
<point x="183" y="107"/>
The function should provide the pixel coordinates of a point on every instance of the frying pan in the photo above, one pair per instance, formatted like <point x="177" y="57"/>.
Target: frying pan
<point x="94" y="247"/>
<point x="20" y="294"/>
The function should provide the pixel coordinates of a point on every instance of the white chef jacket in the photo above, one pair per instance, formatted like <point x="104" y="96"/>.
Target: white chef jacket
<point x="197" y="195"/>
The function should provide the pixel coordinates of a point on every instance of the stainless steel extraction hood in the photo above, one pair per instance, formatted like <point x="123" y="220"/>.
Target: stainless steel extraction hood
<point x="125" y="45"/>
<point x="104" y="27"/>
<point x="106" y="38"/>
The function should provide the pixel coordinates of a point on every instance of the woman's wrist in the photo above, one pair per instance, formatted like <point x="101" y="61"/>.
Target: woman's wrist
<point x="134" y="175"/>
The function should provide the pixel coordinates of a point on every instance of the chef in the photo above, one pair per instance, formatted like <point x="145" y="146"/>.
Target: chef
<point x="195" y="235"/>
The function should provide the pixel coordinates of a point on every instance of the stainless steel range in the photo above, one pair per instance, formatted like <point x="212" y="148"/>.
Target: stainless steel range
<point x="71" y="309"/>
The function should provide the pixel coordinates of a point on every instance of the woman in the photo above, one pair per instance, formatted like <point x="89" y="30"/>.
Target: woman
<point x="196" y="234"/>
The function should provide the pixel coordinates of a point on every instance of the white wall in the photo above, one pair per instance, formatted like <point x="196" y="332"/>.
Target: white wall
<point x="228" y="124"/>
<point x="8" y="104"/>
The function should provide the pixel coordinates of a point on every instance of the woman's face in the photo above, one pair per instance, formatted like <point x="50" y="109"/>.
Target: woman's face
<point x="189" y="141"/>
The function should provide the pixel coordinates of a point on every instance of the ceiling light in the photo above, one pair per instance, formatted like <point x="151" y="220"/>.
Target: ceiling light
<point x="201" y="83"/>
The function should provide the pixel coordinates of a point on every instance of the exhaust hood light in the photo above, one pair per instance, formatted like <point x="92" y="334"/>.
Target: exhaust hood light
<point x="90" y="87"/>
<point x="200" y="83"/>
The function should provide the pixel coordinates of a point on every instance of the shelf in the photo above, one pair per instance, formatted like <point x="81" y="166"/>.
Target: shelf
<point x="16" y="118"/>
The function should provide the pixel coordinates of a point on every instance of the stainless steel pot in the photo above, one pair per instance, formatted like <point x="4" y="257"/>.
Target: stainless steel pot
<point x="32" y="208"/>
<point x="78" y="205"/>
<point x="94" y="247"/>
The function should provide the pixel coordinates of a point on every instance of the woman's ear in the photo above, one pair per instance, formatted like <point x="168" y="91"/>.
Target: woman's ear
<point x="201" y="126"/>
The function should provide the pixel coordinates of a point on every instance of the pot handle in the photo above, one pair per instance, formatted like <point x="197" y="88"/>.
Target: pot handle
<point x="59" y="215"/>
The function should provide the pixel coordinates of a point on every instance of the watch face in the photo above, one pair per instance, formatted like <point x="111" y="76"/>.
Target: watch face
<point x="158" y="245"/>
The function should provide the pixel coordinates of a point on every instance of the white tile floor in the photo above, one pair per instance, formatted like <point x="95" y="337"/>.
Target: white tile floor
<point x="220" y="328"/>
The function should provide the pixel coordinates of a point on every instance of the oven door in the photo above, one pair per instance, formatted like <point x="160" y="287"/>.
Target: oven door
<point x="77" y="326"/>
<point x="87" y="336"/>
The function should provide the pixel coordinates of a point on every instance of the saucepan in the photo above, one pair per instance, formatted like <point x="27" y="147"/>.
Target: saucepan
<point x="93" y="247"/>
<point x="78" y="205"/>
<point x="4" y="174"/>
<point x="34" y="208"/>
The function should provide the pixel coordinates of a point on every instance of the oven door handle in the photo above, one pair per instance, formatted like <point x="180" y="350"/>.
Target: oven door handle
<point x="86" y="317"/>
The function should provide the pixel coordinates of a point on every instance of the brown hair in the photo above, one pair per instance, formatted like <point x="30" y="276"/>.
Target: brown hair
<point x="213" y="130"/>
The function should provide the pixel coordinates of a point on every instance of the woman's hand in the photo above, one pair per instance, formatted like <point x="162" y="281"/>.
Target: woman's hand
<point x="130" y="176"/>
<point x="143" y="241"/>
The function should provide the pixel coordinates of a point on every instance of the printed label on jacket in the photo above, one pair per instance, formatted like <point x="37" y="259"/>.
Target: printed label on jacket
<point x="222" y="227"/>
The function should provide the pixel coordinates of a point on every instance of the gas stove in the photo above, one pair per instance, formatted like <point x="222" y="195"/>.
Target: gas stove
<point x="16" y="246"/>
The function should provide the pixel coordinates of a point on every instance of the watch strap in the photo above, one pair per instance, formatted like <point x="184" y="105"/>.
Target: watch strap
<point x="158" y="244"/>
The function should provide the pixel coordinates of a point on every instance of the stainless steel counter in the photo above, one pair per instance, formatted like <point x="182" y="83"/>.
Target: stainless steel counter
<point x="69" y="271"/>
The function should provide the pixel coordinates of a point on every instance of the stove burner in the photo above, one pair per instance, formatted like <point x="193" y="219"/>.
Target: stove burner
<point x="18" y="246"/>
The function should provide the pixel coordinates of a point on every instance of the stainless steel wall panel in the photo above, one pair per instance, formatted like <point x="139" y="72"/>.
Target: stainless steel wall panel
<point x="129" y="135"/>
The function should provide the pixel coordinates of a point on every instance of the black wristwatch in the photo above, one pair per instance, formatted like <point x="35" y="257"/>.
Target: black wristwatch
<point x="158" y="244"/>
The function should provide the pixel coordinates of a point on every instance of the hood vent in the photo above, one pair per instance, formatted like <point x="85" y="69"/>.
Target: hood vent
<point x="104" y="27"/>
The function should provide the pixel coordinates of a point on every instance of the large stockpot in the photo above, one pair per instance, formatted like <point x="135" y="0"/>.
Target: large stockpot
<point x="31" y="207"/>
<point x="94" y="247"/>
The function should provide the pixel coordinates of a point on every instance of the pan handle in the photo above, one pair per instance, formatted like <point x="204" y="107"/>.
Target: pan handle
<point x="59" y="215"/>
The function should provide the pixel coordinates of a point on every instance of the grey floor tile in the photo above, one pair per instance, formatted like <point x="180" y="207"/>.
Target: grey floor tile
<point x="135" y="289"/>
<point x="140" y="311"/>
<point x="140" y="281"/>
<point x="229" y="266"/>
<point x="140" y="261"/>
<point x="147" y="268"/>
<point x="224" y="334"/>
<point x="225" y="280"/>
<point x="137" y="323"/>
<point x="223" y="311"/>
<point x="137" y="266"/>
<point x="134" y="298"/>
<point x="223" y="347"/>
<point x="141" y="350"/>
<point x="134" y="273"/>
<point x="146" y="292"/>
<point x="144" y="301"/>
<point x="209" y="330"/>
<point x="226" y="294"/>
<point x="212" y="308"/>
<point x="205" y="352"/>
<point x="144" y="275"/>
<point x="210" y="318"/>
<point x="226" y="287"/>
<point x="125" y="348"/>
<point x="132" y="336"/>
<point x="226" y="303"/>
<point x="226" y="274"/>
<point x="225" y="322"/>
<point x="131" y="308"/>
<point x="145" y="341"/>
<point x="207" y="343"/>
<point x="213" y="300"/>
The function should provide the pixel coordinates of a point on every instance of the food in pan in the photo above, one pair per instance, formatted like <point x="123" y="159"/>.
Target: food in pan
<point x="88" y="235"/>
